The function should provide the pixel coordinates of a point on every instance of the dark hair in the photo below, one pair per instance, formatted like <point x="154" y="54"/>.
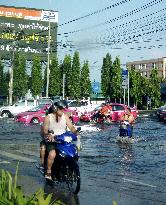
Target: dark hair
<point x="49" y="110"/>
<point x="61" y="104"/>
<point x="128" y="108"/>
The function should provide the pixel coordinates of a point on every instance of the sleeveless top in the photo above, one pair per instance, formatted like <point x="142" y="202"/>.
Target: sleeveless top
<point x="127" y="118"/>
<point x="57" y="127"/>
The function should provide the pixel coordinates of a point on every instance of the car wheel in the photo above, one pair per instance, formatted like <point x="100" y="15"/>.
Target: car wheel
<point x="6" y="113"/>
<point x="35" y="121"/>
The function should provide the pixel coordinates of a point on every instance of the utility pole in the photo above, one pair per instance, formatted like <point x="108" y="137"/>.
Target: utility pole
<point x="64" y="86"/>
<point x="128" y="86"/>
<point x="124" y="96"/>
<point x="48" y="59"/>
<point x="11" y="83"/>
<point x="11" y="74"/>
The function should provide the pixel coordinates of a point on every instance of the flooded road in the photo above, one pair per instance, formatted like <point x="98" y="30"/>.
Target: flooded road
<point x="133" y="174"/>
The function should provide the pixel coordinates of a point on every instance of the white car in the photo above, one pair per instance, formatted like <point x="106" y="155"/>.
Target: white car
<point x="18" y="107"/>
<point x="81" y="107"/>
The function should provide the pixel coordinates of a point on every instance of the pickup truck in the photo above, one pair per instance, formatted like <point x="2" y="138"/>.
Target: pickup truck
<point x="18" y="107"/>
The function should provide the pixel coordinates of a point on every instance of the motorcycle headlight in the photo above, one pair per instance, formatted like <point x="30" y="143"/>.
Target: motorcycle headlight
<point x="67" y="139"/>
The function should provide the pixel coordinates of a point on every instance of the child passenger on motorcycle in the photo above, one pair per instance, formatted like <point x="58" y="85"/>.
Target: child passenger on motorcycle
<point x="55" y="123"/>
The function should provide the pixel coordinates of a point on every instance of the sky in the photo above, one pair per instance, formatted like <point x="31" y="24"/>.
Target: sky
<point x="130" y="29"/>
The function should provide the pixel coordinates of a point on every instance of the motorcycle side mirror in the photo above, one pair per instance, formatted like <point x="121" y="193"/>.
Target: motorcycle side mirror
<point x="79" y="129"/>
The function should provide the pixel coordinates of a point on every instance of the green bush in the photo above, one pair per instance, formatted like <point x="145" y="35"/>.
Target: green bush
<point x="11" y="194"/>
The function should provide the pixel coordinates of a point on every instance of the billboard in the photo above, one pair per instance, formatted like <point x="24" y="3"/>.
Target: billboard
<point x="27" y="31"/>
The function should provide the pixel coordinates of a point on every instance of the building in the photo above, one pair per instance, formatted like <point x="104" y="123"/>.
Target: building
<point x="145" y="66"/>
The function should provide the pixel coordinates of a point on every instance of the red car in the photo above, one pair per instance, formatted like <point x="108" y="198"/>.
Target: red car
<point x="37" y="115"/>
<point x="116" y="112"/>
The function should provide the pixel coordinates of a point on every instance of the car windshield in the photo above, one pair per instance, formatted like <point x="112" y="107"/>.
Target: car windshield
<point x="35" y="109"/>
<point x="44" y="101"/>
<point x="98" y="108"/>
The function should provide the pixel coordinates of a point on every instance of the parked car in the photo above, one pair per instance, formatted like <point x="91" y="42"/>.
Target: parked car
<point x="20" y="106"/>
<point x="159" y="110"/>
<point x="87" y="116"/>
<point x="81" y="107"/>
<point x="44" y="101"/>
<point x="37" y="114"/>
<point x="116" y="113"/>
<point x="162" y="116"/>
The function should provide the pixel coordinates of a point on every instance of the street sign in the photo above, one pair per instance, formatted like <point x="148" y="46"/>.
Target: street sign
<point x="124" y="78"/>
<point x="95" y="87"/>
<point x="124" y="72"/>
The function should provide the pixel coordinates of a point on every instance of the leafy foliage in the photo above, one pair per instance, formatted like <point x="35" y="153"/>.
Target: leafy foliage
<point x="66" y="67"/>
<point x="135" y="85"/>
<point x="85" y="82"/>
<point x="36" y="77"/>
<point x="20" y="81"/>
<point x="5" y="83"/>
<point x="55" y="80"/>
<point x="154" y="82"/>
<point x="74" y="81"/>
<point x="11" y="194"/>
<point x="106" y="75"/>
<point x="3" y="88"/>
<point x="116" y="79"/>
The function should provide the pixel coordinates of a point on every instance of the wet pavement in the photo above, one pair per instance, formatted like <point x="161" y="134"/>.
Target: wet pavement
<point x="133" y="174"/>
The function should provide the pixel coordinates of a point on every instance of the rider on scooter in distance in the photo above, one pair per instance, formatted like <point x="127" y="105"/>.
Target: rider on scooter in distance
<point x="127" y="121"/>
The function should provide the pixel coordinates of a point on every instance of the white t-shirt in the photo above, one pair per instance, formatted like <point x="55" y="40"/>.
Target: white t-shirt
<point x="57" y="127"/>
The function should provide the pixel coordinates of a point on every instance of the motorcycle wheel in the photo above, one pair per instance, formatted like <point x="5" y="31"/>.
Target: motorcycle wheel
<point x="73" y="179"/>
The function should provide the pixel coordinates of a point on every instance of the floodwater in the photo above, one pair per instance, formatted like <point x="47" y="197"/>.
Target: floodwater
<point x="133" y="174"/>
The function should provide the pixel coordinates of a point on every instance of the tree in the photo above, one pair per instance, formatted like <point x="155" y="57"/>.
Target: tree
<point x="85" y="82"/>
<point x="36" y="77"/>
<point x="66" y="67"/>
<point x="135" y="86"/>
<point x="1" y="79"/>
<point x="106" y="75"/>
<point x="116" y="79"/>
<point x="6" y="78"/>
<point x="155" y="94"/>
<point x="54" y="78"/>
<point x="74" y="81"/>
<point x="20" y="81"/>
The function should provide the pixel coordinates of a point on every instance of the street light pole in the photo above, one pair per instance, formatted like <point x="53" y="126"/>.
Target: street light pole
<point x="11" y="75"/>
<point x="128" y="86"/>
<point x="48" y="59"/>
<point x="63" y="86"/>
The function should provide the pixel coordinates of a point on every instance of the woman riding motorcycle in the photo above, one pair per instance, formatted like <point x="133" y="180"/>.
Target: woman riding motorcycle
<point x="56" y="123"/>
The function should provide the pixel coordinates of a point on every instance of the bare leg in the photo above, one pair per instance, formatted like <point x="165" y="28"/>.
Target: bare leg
<point x="50" y="160"/>
<point x="42" y="154"/>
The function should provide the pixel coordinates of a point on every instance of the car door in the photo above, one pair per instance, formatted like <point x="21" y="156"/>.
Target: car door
<point x="117" y="112"/>
<point x="22" y="106"/>
<point x="18" y="107"/>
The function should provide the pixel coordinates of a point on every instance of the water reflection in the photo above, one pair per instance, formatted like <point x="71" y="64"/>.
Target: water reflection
<point x="61" y="196"/>
<point x="128" y="173"/>
<point x="126" y="155"/>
